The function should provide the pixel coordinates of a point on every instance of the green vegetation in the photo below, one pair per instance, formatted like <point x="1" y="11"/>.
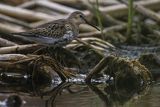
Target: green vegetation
<point x="130" y="18"/>
<point x="98" y="15"/>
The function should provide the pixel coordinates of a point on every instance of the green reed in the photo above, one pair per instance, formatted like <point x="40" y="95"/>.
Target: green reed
<point x="130" y="18"/>
<point x="98" y="15"/>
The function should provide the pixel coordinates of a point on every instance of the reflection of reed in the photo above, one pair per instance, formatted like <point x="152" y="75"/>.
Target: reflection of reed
<point x="29" y="73"/>
<point x="54" y="93"/>
<point x="129" y="78"/>
<point x="101" y="95"/>
<point x="112" y="96"/>
<point x="69" y="87"/>
<point x="122" y="69"/>
<point x="32" y="65"/>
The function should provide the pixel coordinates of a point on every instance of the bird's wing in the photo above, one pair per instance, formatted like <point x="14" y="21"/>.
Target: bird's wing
<point x="53" y="30"/>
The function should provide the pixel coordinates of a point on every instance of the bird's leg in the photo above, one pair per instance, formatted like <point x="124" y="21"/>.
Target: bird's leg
<point x="68" y="58"/>
<point x="71" y="56"/>
<point x="65" y="74"/>
<point x="62" y="75"/>
<point x="45" y="48"/>
<point x="38" y="50"/>
<point x="49" y="50"/>
<point x="69" y="72"/>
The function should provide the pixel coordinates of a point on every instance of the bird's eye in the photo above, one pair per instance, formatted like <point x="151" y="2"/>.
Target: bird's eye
<point x="80" y="16"/>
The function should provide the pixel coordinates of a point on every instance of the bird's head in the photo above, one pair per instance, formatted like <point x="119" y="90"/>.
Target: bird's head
<point x="78" y="18"/>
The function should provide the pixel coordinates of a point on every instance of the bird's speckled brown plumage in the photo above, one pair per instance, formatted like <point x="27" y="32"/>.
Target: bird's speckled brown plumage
<point x="56" y="33"/>
<point x="55" y="29"/>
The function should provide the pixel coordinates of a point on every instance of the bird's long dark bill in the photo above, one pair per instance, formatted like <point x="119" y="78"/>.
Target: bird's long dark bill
<point x="91" y="24"/>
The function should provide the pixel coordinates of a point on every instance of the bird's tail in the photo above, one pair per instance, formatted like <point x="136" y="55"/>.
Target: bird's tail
<point x="16" y="33"/>
<point x="25" y="34"/>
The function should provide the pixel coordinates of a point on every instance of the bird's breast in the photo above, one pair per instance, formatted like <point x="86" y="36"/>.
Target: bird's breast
<point x="65" y="39"/>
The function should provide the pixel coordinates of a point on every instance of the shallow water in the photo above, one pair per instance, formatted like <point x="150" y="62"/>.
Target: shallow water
<point x="90" y="99"/>
<point x="101" y="93"/>
<point x="87" y="96"/>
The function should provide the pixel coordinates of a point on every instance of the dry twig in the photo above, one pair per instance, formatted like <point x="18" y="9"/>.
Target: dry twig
<point x="19" y="48"/>
<point x="5" y="42"/>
